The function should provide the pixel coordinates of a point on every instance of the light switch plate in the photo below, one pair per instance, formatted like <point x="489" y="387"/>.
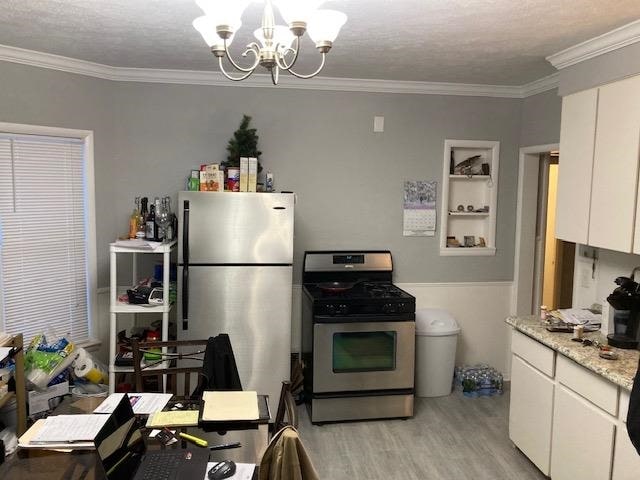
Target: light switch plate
<point x="378" y="124"/>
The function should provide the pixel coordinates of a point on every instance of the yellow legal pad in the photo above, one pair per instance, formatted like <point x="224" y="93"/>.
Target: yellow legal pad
<point x="227" y="406"/>
<point x="173" y="418"/>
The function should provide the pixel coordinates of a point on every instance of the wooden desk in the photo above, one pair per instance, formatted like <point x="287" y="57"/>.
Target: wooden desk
<point x="82" y="465"/>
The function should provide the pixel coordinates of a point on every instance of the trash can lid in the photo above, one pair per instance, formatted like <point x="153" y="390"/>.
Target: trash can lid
<point x="434" y="322"/>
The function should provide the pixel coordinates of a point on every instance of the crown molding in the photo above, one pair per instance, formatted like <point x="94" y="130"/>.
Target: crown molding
<point x="200" y="77"/>
<point x="541" y="85"/>
<point x="615" y="39"/>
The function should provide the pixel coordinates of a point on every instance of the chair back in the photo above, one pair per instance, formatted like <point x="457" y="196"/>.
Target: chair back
<point x="181" y="361"/>
<point x="287" y="413"/>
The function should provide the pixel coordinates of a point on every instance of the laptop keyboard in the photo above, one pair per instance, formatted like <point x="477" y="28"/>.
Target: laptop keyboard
<point x="161" y="465"/>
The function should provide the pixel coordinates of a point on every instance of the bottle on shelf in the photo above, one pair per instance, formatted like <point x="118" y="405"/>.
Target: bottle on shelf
<point x="157" y="229"/>
<point x="170" y="231"/>
<point x="150" y="233"/>
<point x="133" y="220"/>
<point x="142" y="219"/>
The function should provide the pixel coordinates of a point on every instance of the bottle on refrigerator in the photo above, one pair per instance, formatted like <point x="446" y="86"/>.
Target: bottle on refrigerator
<point x="150" y="233"/>
<point x="133" y="219"/>
<point x="142" y="219"/>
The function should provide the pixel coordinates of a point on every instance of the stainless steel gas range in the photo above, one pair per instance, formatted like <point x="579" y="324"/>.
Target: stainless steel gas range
<point x="358" y="337"/>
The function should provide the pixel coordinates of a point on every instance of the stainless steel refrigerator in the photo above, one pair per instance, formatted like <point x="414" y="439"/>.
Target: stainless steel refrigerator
<point x="235" y="256"/>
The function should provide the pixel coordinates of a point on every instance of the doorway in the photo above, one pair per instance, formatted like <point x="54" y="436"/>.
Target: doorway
<point x="537" y="166"/>
<point x="554" y="258"/>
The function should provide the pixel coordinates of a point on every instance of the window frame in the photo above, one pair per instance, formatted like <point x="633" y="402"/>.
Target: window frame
<point x="86" y="136"/>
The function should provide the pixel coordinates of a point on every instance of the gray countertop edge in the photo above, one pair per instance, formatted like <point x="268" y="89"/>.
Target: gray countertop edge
<point x="621" y="372"/>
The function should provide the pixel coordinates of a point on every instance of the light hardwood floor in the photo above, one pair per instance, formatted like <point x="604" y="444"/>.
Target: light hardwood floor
<point x="449" y="438"/>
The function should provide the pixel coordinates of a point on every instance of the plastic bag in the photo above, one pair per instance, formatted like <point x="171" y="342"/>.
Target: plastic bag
<point x="44" y="361"/>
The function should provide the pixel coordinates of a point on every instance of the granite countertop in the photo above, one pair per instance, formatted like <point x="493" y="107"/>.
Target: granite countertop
<point x="620" y="372"/>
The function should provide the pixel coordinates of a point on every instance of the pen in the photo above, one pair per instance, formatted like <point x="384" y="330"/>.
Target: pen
<point x="224" y="446"/>
<point x="198" y="441"/>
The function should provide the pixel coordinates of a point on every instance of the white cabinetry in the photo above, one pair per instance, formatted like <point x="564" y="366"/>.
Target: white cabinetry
<point x="567" y="419"/>
<point x="582" y="439"/>
<point x="476" y="193"/>
<point x="117" y="307"/>
<point x="598" y="176"/>
<point x="577" y="137"/>
<point x="530" y="412"/>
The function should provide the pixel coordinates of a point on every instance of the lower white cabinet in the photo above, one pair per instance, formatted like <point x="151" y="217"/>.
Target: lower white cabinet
<point x="568" y="420"/>
<point x="626" y="461"/>
<point x="582" y="439"/>
<point x="530" y="412"/>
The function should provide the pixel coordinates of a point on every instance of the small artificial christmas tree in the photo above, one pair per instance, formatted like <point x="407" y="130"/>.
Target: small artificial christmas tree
<point x="243" y="144"/>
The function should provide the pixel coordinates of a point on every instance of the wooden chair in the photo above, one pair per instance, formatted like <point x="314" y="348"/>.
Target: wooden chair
<point x="182" y="359"/>
<point x="287" y="413"/>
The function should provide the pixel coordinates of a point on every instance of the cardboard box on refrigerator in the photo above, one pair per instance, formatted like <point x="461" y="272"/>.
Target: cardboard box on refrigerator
<point x="252" y="181"/>
<point x="244" y="173"/>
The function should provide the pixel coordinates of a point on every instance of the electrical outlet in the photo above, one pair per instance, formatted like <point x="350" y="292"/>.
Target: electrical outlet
<point x="378" y="124"/>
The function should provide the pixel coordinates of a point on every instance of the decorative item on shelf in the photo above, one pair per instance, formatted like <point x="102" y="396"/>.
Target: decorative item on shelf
<point x="452" y="242"/>
<point x="482" y="242"/>
<point x="469" y="241"/>
<point x="460" y="208"/>
<point x="470" y="208"/>
<point x="278" y="46"/>
<point x="468" y="166"/>
<point x="485" y="169"/>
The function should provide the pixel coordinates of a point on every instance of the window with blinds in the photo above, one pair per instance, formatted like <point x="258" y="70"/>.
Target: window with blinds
<point x="43" y="236"/>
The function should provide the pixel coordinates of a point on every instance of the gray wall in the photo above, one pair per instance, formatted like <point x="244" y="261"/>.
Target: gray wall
<point x="541" y="119"/>
<point x="599" y="70"/>
<point x="348" y="180"/>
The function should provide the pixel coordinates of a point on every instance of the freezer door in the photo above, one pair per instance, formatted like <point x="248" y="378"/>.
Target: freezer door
<point x="239" y="228"/>
<point x="253" y="305"/>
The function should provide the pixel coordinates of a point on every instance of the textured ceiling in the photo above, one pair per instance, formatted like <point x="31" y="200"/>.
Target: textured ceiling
<point x="502" y="42"/>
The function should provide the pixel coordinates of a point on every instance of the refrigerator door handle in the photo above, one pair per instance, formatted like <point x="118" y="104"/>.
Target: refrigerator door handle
<point x="185" y="268"/>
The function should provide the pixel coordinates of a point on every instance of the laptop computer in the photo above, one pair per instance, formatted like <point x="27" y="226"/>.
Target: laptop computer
<point x="123" y="455"/>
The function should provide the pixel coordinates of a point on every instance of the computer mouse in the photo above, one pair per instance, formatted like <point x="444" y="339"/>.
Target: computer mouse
<point x="222" y="470"/>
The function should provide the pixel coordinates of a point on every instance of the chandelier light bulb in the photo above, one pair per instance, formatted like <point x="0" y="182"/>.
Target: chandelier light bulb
<point x="294" y="11"/>
<point x="207" y="28"/>
<point x="325" y="25"/>
<point x="223" y="12"/>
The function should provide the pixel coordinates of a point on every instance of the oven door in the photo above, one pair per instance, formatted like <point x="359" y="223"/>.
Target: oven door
<point x="363" y="356"/>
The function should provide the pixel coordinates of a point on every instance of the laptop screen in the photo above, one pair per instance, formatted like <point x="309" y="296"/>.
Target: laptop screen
<point x="119" y="444"/>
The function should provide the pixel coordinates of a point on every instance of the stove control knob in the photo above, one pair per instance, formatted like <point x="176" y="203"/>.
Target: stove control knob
<point x="342" y="309"/>
<point x="389" y="308"/>
<point x="331" y="309"/>
<point x="402" y="307"/>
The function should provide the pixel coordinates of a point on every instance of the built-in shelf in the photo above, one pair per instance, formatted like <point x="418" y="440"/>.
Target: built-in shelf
<point x="473" y="186"/>
<point x="469" y="214"/>
<point x="469" y="177"/>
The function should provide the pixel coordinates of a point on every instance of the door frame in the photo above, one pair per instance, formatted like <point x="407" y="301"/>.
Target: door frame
<point x="526" y="215"/>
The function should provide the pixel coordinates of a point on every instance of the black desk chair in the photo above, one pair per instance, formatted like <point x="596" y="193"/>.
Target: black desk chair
<point x="181" y="359"/>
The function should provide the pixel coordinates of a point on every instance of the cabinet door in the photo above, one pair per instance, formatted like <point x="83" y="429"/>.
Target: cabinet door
<point x="626" y="461"/>
<point x="615" y="166"/>
<point x="577" y="136"/>
<point x="530" y="412"/>
<point x="582" y="439"/>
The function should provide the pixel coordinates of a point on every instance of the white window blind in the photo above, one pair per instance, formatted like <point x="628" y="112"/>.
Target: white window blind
<point x="43" y="261"/>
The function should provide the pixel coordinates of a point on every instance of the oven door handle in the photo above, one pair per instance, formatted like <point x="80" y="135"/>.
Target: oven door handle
<point x="398" y="317"/>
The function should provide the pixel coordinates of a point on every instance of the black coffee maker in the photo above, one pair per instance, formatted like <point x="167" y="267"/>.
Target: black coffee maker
<point x="625" y="301"/>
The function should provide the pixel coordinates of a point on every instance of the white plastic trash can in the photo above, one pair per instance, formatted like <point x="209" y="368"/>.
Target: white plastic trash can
<point x="436" y="339"/>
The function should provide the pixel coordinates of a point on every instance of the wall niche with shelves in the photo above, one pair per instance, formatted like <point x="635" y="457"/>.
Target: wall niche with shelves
<point x="469" y="197"/>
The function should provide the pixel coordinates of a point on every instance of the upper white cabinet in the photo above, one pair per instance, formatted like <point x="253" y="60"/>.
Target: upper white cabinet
<point x="615" y="166"/>
<point x="577" y="137"/>
<point x="598" y="177"/>
<point x="469" y="197"/>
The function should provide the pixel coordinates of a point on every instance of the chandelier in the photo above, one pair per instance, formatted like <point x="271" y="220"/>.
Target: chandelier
<point x="278" y="46"/>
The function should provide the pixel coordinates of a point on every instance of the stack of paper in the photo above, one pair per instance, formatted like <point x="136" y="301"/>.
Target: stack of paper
<point x="142" y="403"/>
<point x="229" y="406"/>
<point x="62" y="429"/>
<point x="173" y="418"/>
<point x="580" y="316"/>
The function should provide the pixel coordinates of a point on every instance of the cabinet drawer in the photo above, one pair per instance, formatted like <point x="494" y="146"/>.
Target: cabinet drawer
<point x="588" y="384"/>
<point x="533" y="352"/>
